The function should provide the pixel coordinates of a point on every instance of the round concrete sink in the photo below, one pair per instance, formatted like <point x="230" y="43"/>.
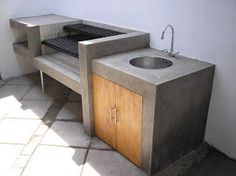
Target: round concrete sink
<point x="151" y="62"/>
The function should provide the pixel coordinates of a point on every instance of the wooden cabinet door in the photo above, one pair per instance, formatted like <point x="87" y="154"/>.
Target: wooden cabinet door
<point x="104" y="104"/>
<point x="128" y="129"/>
<point x="118" y="117"/>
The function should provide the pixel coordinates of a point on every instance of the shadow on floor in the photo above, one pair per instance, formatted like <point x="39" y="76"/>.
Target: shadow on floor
<point x="214" y="164"/>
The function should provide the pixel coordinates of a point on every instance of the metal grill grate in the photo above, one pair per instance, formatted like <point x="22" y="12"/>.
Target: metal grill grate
<point x="69" y="44"/>
<point x="91" y="30"/>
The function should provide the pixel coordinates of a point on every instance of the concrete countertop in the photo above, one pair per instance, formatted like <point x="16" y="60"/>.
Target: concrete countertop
<point x="41" y="20"/>
<point x="182" y="66"/>
<point x="175" y="102"/>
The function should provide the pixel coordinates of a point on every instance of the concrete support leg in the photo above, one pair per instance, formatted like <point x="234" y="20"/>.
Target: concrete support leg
<point x="42" y="81"/>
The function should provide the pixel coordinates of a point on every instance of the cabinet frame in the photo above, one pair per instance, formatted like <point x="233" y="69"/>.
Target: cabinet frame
<point x="118" y="120"/>
<point x="148" y="94"/>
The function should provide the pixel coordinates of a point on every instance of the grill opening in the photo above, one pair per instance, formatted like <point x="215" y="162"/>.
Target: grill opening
<point x="76" y="33"/>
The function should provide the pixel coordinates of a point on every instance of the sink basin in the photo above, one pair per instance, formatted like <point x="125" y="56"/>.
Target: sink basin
<point x="151" y="62"/>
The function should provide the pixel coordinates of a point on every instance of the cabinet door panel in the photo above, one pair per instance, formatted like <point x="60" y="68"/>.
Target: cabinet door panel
<point x="129" y="116"/>
<point x="104" y="101"/>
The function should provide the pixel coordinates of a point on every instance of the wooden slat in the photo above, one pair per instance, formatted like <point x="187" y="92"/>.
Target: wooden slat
<point x="129" y="122"/>
<point x="104" y="100"/>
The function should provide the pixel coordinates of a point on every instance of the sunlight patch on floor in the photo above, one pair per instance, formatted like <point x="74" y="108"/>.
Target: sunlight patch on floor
<point x="7" y="103"/>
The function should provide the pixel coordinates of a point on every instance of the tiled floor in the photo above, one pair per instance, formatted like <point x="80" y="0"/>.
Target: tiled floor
<point x="42" y="134"/>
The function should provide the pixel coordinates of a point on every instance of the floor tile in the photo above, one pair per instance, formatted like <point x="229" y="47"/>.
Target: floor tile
<point x="21" y="161"/>
<point x="29" y="149"/>
<point x="74" y="97"/>
<point x="30" y="110"/>
<point x="57" y="91"/>
<point x="35" y="93"/>
<point x="96" y="143"/>
<point x="59" y="161"/>
<point x="48" y="81"/>
<point x="7" y="104"/>
<point x="51" y="92"/>
<point x="71" y="111"/>
<point x="66" y="134"/>
<point x="15" y="171"/>
<point x="23" y="80"/>
<point x="9" y="154"/>
<point x="32" y="145"/>
<point x="109" y="163"/>
<point x="17" y="131"/>
<point x="42" y="129"/>
<point x="11" y="90"/>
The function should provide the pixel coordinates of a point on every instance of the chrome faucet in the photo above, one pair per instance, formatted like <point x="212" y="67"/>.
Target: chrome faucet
<point x="171" y="52"/>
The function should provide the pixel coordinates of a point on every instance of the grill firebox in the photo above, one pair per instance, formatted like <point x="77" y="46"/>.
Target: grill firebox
<point x="75" y="34"/>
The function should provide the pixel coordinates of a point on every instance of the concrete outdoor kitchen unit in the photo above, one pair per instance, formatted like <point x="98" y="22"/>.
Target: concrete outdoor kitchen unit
<point x="169" y="118"/>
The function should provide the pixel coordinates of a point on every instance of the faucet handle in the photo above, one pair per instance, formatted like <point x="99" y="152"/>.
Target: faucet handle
<point x="171" y="54"/>
<point x="175" y="54"/>
<point x="164" y="50"/>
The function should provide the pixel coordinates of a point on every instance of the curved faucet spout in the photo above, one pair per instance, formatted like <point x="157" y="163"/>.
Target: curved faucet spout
<point x="172" y="38"/>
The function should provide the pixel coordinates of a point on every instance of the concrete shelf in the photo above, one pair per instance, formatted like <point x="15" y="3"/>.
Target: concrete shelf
<point x="26" y="22"/>
<point x="22" y="49"/>
<point x="61" y="67"/>
<point x="37" y="29"/>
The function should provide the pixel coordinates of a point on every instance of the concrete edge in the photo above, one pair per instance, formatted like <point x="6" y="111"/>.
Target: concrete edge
<point x="108" y="26"/>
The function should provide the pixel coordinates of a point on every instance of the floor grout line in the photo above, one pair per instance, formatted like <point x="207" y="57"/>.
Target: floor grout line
<point x="4" y="116"/>
<point x="48" y="120"/>
<point x="52" y="145"/>
<point x="30" y="155"/>
<point x="56" y="120"/>
<point x="18" y="118"/>
<point x="47" y="124"/>
<point x="101" y="149"/>
<point x="76" y="147"/>
<point x="30" y="87"/>
<point x="8" y="143"/>
<point x="37" y="100"/>
<point x="49" y="117"/>
<point x="67" y="120"/>
<point x="85" y="158"/>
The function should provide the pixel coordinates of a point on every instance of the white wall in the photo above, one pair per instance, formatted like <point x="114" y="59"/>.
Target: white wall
<point x="205" y="29"/>
<point x="12" y="65"/>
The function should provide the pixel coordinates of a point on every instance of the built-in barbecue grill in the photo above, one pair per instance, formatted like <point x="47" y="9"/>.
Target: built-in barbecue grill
<point x="76" y="33"/>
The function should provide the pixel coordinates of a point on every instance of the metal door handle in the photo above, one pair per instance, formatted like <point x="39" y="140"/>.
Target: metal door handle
<point x="110" y="114"/>
<point x="114" y="114"/>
